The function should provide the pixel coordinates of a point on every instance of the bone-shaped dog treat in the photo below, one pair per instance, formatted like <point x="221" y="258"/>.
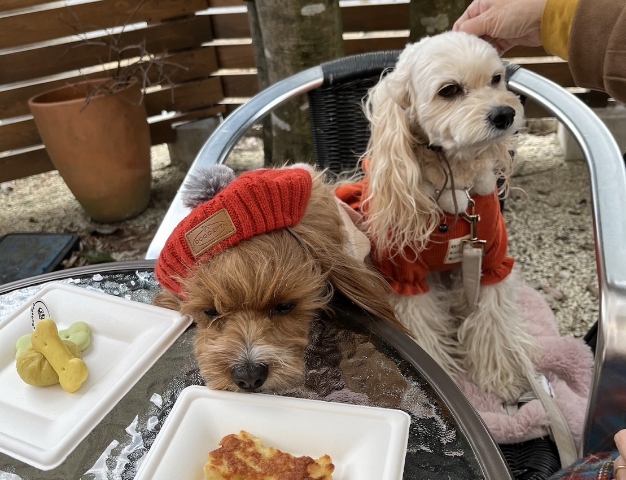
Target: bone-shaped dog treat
<point x="72" y="371"/>
<point x="78" y="333"/>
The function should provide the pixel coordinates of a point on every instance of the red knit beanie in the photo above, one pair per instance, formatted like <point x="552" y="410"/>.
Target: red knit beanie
<point x="257" y="202"/>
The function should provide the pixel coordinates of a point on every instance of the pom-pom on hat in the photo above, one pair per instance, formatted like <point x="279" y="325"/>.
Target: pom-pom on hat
<point x="255" y="203"/>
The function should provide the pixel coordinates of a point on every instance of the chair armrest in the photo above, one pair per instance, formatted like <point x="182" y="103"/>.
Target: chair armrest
<point x="606" y="411"/>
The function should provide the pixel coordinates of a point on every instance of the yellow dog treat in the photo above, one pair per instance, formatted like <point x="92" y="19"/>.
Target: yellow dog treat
<point x="72" y="371"/>
<point x="78" y="333"/>
<point x="34" y="369"/>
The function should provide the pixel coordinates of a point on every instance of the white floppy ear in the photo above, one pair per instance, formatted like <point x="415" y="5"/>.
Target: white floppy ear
<point x="400" y="213"/>
<point x="390" y="126"/>
<point x="398" y="90"/>
<point x="398" y="83"/>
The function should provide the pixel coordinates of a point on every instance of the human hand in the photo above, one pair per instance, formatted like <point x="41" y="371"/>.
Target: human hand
<point x="620" y="442"/>
<point x="504" y="23"/>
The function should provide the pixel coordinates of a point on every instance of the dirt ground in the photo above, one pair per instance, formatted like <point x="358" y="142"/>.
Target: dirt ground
<point x="43" y="203"/>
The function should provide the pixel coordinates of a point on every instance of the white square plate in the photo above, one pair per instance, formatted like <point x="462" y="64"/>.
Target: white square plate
<point x="42" y="425"/>
<point x="365" y="443"/>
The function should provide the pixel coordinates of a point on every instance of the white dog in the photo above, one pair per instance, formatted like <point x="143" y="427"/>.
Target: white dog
<point x="441" y="128"/>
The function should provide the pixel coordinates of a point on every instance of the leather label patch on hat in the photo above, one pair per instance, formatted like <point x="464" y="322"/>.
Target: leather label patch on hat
<point x="210" y="232"/>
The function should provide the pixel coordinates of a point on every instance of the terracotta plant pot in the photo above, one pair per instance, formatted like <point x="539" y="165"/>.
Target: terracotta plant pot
<point x="102" y="149"/>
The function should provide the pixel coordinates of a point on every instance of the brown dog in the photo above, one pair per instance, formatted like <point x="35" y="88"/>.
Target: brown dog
<point x="254" y="295"/>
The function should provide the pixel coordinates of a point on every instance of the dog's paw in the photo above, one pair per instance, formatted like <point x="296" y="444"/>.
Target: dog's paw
<point x="453" y="201"/>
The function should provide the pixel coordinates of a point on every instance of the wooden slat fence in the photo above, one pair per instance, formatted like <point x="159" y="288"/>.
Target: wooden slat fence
<point x="42" y="46"/>
<point x="39" y="50"/>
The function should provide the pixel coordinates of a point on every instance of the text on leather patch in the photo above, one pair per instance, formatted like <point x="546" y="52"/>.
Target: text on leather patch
<point x="210" y="232"/>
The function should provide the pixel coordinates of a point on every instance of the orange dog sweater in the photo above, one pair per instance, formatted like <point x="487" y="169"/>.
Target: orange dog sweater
<point x="407" y="273"/>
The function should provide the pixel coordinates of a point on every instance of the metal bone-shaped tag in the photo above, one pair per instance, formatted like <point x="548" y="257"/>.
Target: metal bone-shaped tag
<point x="473" y="218"/>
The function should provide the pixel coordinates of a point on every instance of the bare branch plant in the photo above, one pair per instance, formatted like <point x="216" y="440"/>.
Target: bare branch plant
<point x="124" y="64"/>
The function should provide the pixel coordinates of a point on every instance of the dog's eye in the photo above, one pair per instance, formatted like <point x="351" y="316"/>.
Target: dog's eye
<point x="211" y="313"/>
<point x="496" y="79"/>
<point x="449" y="91"/>
<point x="282" y="309"/>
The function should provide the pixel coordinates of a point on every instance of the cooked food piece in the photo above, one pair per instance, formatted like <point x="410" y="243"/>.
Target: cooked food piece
<point x="244" y="457"/>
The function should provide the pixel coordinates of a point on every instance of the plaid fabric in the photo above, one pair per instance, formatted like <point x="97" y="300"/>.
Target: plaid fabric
<point x="594" y="467"/>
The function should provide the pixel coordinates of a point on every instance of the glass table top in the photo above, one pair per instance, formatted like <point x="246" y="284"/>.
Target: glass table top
<point x="346" y="361"/>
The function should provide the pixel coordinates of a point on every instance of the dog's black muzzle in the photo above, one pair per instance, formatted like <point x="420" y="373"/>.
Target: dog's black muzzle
<point x="501" y="117"/>
<point x="249" y="376"/>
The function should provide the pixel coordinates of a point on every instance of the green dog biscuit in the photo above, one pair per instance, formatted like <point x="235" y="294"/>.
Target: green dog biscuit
<point x="78" y="333"/>
<point x="22" y="345"/>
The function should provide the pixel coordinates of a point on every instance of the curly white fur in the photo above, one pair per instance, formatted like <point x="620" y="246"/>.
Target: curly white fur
<point x="409" y="110"/>
<point x="406" y="114"/>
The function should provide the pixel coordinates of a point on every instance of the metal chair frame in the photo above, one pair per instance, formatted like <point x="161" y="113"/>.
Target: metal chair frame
<point x="606" y="413"/>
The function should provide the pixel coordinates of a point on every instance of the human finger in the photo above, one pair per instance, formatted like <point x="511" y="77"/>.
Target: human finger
<point x="620" y="442"/>
<point x="619" y="473"/>
<point x="503" y="45"/>
<point x="474" y="9"/>
<point x="475" y="26"/>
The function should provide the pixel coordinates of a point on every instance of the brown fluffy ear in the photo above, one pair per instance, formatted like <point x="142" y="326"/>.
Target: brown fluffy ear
<point x="366" y="288"/>
<point x="320" y="232"/>
<point x="167" y="299"/>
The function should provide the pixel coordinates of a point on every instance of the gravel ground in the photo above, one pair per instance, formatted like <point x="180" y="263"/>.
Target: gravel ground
<point x="548" y="214"/>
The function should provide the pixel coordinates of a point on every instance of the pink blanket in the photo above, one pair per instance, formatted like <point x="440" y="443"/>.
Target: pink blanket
<point x="566" y="362"/>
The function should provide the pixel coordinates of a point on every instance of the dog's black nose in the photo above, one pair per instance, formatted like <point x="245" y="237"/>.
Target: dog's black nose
<point x="249" y="376"/>
<point x="501" y="117"/>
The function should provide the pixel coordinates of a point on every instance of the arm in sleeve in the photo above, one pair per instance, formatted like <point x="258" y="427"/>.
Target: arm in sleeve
<point x="597" y="46"/>
<point x="556" y="25"/>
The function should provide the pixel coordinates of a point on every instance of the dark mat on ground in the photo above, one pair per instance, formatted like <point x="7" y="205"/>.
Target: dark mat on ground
<point x="24" y="255"/>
